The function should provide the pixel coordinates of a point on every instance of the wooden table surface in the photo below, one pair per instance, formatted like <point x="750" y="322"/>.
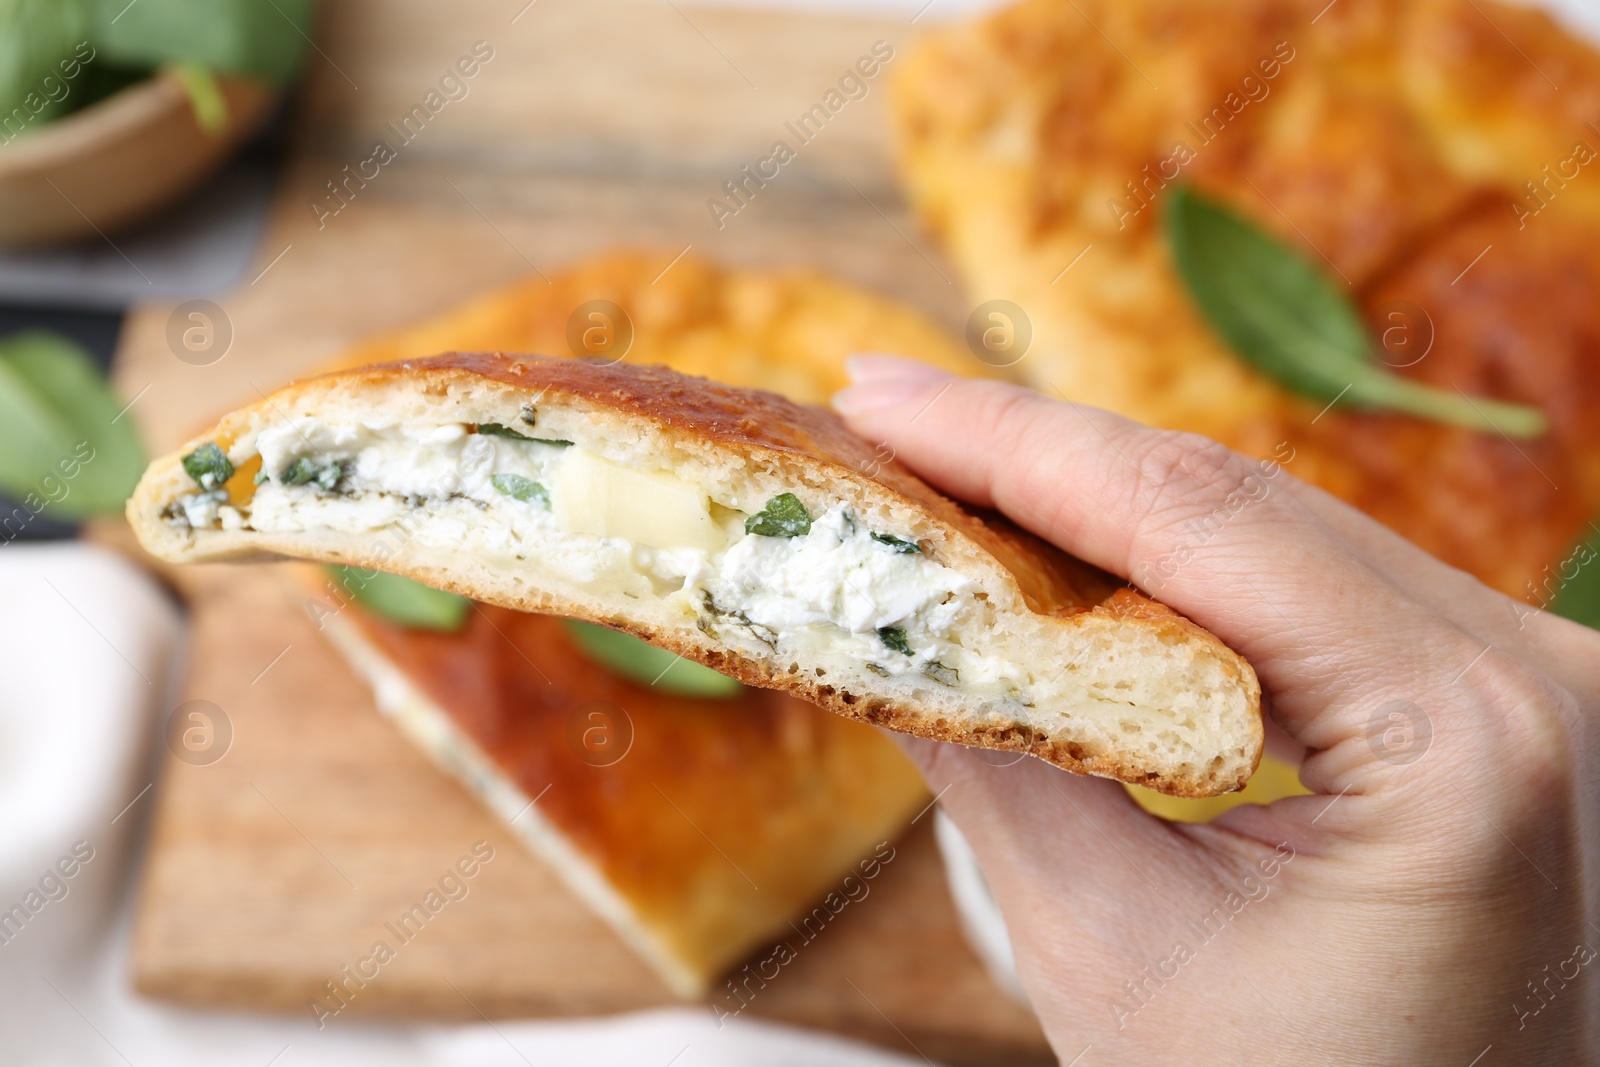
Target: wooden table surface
<point x="593" y="125"/>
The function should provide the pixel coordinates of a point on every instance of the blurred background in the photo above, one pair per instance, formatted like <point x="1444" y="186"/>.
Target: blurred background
<point x="201" y="200"/>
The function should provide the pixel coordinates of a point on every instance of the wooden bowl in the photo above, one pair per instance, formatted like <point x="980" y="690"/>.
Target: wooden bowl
<point x="117" y="160"/>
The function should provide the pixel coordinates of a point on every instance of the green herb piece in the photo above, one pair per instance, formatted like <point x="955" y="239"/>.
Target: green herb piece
<point x="301" y="471"/>
<point x="1281" y="315"/>
<point x="205" y="97"/>
<point x="403" y="601"/>
<point x="942" y="674"/>
<point x="784" y="516"/>
<point x="208" y="465"/>
<point x="517" y="487"/>
<point x="495" y="429"/>
<point x="1579" y="597"/>
<point x="261" y="477"/>
<point x="646" y="664"/>
<point x="305" y="470"/>
<point x="67" y="444"/>
<point x="898" y="544"/>
<point x="895" y="638"/>
<point x="39" y="38"/>
<point x="261" y="39"/>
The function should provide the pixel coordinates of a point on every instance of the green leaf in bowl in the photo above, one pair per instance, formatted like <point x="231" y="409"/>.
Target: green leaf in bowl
<point x="38" y="43"/>
<point x="65" y="440"/>
<point x="1579" y="596"/>
<point x="403" y="601"/>
<point x="1285" y="318"/>
<point x="646" y="664"/>
<point x="263" y="39"/>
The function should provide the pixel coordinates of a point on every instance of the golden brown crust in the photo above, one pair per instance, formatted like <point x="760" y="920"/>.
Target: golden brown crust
<point x="788" y="331"/>
<point x="1393" y="144"/>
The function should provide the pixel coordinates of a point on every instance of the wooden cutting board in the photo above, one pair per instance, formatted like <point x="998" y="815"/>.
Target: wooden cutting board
<point x="593" y="125"/>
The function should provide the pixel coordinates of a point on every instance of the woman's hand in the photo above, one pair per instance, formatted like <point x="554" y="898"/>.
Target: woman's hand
<point x="1428" y="904"/>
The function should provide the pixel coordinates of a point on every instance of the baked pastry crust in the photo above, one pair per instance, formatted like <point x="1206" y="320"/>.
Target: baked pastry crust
<point x="786" y="330"/>
<point x="698" y="828"/>
<point x="1393" y="141"/>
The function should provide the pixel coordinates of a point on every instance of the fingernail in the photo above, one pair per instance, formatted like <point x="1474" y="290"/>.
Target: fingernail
<point x="881" y="381"/>
<point x="875" y="396"/>
<point x="875" y="366"/>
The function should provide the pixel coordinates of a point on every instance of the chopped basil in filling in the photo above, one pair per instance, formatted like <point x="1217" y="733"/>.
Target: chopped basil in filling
<point x="306" y="470"/>
<point x="784" y="516"/>
<point x="208" y="466"/>
<point x="895" y="638"/>
<point x="897" y="543"/>
<point x="517" y="487"/>
<point x="495" y="429"/>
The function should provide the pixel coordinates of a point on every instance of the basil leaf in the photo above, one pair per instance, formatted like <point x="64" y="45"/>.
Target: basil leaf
<point x="301" y="471"/>
<point x="898" y="544"/>
<point x="895" y="638"/>
<point x="1579" y="598"/>
<point x="38" y="39"/>
<point x="517" y="487"/>
<point x="209" y="466"/>
<point x="305" y="470"/>
<point x="646" y="664"/>
<point x="1280" y="314"/>
<point x="495" y="429"/>
<point x="784" y="516"/>
<point x="401" y="600"/>
<point x="263" y="39"/>
<point x="65" y="440"/>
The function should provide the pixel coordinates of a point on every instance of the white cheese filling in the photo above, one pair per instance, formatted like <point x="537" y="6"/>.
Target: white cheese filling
<point x="832" y="589"/>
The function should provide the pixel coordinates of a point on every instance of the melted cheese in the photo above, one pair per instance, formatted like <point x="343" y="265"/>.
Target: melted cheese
<point x="594" y="496"/>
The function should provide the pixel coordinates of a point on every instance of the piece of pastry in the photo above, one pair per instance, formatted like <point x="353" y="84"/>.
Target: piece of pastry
<point x="698" y="828"/>
<point x="1434" y="158"/>
<point x="751" y="534"/>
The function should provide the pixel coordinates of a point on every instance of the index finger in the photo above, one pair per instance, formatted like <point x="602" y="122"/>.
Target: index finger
<point x="1192" y="523"/>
